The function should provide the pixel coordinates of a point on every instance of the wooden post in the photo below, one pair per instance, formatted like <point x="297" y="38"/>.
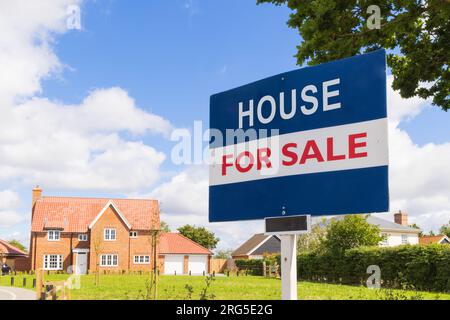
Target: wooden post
<point x="24" y="282"/>
<point x="39" y="283"/>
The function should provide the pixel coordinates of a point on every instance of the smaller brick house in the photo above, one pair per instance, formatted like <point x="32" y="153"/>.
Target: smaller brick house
<point x="14" y="257"/>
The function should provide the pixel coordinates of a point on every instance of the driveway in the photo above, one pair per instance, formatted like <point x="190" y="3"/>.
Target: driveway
<point x="11" y="293"/>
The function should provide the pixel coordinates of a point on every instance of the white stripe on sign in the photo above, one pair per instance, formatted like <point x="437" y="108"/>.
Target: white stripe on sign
<point x="351" y="146"/>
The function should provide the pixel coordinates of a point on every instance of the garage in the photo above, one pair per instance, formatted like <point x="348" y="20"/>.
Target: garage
<point x="181" y="255"/>
<point x="173" y="264"/>
<point x="198" y="264"/>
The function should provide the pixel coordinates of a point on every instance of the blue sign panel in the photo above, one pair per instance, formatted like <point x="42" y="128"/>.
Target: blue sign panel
<point x="310" y="141"/>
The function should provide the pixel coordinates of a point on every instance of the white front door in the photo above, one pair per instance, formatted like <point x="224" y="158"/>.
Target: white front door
<point x="81" y="267"/>
<point x="173" y="264"/>
<point x="198" y="264"/>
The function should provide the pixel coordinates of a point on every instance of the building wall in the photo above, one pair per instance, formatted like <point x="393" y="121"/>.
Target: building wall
<point x="141" y="246"/>
<point x="124" y="246"/>
<point x="40" y="246"/>
<point x="395" y="239"/>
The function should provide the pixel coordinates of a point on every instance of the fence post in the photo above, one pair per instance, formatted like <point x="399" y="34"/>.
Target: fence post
<point x="34" y="283"/>
<point x="39" y="282"/>
<point x="12" y="281"/>
<point x="24" y="282"/>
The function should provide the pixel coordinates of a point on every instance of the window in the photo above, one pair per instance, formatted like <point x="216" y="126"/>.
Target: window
<point x="109" y="260"/>
<point x="404" y="239"/>
<point x="53" y="235"/>
<point x="133" y="234"/>
<point x="53" y="262"/>
<point x="83" y="237"/>
<point x="110" y="234"/>
<point x="141" y="259"/>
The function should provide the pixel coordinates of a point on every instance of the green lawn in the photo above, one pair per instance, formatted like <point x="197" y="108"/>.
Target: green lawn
<point x="243" y="287"/>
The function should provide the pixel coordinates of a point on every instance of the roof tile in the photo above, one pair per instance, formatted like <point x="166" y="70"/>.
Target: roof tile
<point x="175" y="243"/>
<point x="75" y="214"/>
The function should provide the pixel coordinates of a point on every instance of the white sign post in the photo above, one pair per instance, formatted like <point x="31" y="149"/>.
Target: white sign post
<point x="288" y="267"/>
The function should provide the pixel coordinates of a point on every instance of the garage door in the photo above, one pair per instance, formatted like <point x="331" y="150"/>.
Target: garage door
<point x="198" y="264"/>
<point x="173" y="263"/>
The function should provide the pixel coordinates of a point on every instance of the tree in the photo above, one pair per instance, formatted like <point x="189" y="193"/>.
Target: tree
<point x="164" y="227"/>
<point x="415" y="226"/>
<point x="445" y="229"/>
<point x="312" y="241"/>
<point x="350" y="232"/>
<point x="223" y="254"/>
<point x="200" y="235"/>
<point x="416" y="33"/>
<point x="18" y="244"/>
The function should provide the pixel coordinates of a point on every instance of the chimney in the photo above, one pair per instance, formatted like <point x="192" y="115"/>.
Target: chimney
<point x="36" y="195"/>
<point x="401" y="218"/>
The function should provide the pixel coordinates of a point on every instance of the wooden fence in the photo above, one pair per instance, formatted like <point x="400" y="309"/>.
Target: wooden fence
<point x="218" y="265"/>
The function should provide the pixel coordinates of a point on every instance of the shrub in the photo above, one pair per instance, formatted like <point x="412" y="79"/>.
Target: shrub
<point x="417" y="266"/>
<point x="252" y="267"/>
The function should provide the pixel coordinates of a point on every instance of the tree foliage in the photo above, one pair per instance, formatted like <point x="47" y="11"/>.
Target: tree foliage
<point x="200" y="235"/>
<point x="351" y="232"/>
<point x="18" y="244"/>
<point x="223" y="254"/>
<point x="416" y="33"/>
<point x="313" y="240"/>
<point x="164" y="226"/>
<point x="445" y="229"/>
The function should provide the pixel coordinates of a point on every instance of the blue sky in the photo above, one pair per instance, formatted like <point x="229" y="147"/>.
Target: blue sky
<point x="170" y="56"/>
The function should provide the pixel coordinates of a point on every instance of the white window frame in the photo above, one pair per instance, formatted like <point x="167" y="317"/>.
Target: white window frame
<point x="107" y="260"/>
<point x="83" y="237"/>
<point x="133" y="234"/>
<point x="57" y="262"/>
<point x="51" y="235"/>
<point x="405" y="239"/>
<point x="108" y="231"/>
<point x="141" y="259"/>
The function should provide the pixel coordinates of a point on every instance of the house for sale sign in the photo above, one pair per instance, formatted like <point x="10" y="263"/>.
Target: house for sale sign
<point x="310" y="141"/>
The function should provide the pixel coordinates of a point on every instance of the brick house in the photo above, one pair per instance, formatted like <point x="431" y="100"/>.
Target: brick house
<point x="86" y="233"/>
<point x="14" y="257"/>
<point x="108" y="234"/>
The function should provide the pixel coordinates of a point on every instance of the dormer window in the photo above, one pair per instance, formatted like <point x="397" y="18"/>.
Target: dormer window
<point x="82" y="237"/>
<point x="110" y="234"/>
<point x="133" y="234"/>
<point x="53" y="235"/>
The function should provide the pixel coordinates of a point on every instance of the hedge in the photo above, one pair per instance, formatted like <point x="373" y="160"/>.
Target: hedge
<point x="418" y="266"/>
<point x="252" y="267"/>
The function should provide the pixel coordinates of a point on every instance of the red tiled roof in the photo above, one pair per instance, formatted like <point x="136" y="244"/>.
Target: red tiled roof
<point x="9" y="250"/>
<point x="75" y="214"/>
<point x="431" y="239"/>
<point x="175" y="243"/>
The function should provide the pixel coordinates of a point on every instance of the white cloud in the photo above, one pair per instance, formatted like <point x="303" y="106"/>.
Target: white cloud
<point x="9" y="199"/>
<point x="10" y="218"/>
<point x="93" y="145"/>
<point x="26" y="29"/>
